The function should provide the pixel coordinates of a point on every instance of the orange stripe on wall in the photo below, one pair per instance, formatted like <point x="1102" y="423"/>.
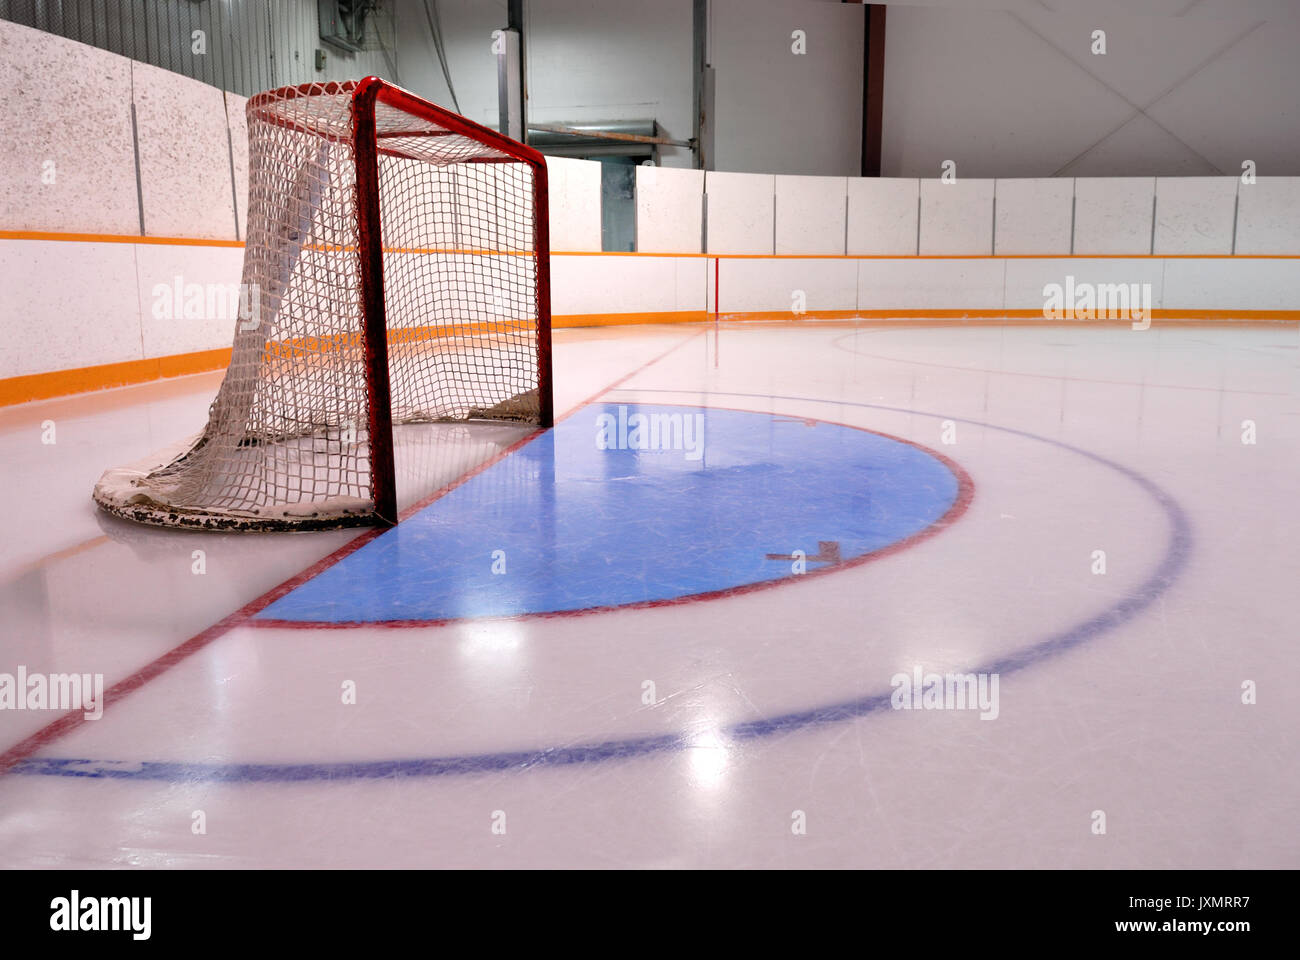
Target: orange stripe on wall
<point x="115" y="238"/>
<point x="623" y="319"/>
<point x="60" y="383"/>
<point x="201" y="242"/>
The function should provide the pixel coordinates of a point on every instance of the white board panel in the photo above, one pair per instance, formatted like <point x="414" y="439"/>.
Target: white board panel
<point x="1027" y="278"/>
<point x="882" y="216"/>
<point x="1268" y="216"/>
<point x="1112" y="215"/>
<point x="69" y="159"/>
<point x="184" y="156"/>
<point x="693" y="275"/>
<point x="170" y="327"/>
<point x="1194" y="214"/>
<point x="781" y="286"/>
<point x="740" y="212"/>
<point x="1226" y="284"/>
<point x="1033" y="215"/>
<point x="924" y="284"/>
<point x="669" y="210"/>
<point x="574" y="196"/>
<point x="811" y="214"/>
<point x="67" y="305"/>
<point x="957" y="217"/>
<point x="613" y="284"/>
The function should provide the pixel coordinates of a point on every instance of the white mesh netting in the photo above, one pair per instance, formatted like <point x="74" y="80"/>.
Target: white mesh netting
<point x="286" y="443"/>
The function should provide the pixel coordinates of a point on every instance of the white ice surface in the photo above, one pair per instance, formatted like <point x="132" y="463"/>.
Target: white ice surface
<point x="1144" y="721"/>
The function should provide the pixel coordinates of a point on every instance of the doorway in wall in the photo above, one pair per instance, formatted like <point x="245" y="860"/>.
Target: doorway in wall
<point x="618" y="202"/>
<point x="619" y="147"/>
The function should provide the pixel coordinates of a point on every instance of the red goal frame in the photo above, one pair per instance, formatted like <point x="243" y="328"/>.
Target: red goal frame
<point x="366" y="94"/>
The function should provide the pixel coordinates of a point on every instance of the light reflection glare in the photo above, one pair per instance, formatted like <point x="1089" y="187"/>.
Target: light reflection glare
<point x="708" y="755"/>
<point x="493" y="643"/>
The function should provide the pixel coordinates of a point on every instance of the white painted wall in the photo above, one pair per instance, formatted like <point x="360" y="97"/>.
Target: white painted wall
<point x="585" y="61"/>
<point x="1259" y="9"/>
<point x="612" y="60"/>
<point x="778" y="112"/>
<point x="1017" y="92"/>
<point x="467" y="38"/>
<point x="631" y="60"/>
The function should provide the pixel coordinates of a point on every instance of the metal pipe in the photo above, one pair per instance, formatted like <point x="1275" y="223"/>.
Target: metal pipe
<point x="595" y="134"/>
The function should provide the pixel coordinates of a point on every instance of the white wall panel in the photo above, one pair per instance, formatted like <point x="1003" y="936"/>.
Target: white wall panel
<point x="184" y="156"/>
<point x="613" y="284"/>
<point x="925" y="284"/>
<point x="1194" y="214"/>
<point x="693" y="276"/>
<point x="740" y="212"/>
<point x="1225" y="284"/>
<point x="1268" y="216"/>
<point x="1027" y="278"/>
<point x="69" y="115"/>
<point x="882" y="216"/>
<point x="669" y="210"/>
<point x="165" y="327"/>
<point x="810" y="214"/>
<point x="1112" y="215"/>
<point x="574" y="187"/>
<point x="957" y="217"/>
<point x="66" y="304"/>
<point x="770" y="285"/>
<point x="1034" y="215"/>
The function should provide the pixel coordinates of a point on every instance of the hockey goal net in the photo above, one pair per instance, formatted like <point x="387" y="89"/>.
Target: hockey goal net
<point x="395" y="271"/>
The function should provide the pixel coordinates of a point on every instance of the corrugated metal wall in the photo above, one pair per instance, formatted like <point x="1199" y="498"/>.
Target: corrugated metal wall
<point x="251" y="45"/>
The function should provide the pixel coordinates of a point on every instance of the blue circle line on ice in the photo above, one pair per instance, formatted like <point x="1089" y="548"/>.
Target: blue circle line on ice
<point x="1177" y="551"/>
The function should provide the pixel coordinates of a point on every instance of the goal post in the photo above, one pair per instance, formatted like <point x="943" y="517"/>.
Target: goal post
<point x="396" y="271"/>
